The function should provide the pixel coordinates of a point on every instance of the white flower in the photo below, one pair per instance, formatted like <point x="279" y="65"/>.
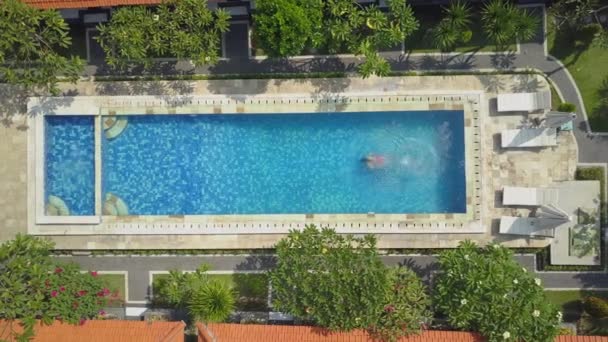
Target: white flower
<point x="537" y="281"/>
<point x="524" y="269"/>
<point x="155" y="17"/>
<point x="463" y="301"/>
<point x="515" y="281"/>
<point x="536" y="313"/>
<point x="466" y="257"/>
<point x="504" y="296"/>
<point x="506" y="335"/>
<point x="559" y="316"/>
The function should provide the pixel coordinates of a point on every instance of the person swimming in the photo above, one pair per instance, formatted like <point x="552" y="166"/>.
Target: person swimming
<point x="374" y="161"/>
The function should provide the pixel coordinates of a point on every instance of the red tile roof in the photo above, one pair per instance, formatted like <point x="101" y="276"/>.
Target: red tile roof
<point x="101" y="331"/>
<point x="282" y="333"/>
<point x="65" y="4"/>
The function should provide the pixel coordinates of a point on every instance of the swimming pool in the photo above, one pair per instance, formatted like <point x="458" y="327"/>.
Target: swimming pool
<point x="283" y="163"/>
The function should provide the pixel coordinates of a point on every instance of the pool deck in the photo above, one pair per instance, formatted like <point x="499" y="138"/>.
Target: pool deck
<point x="535" y="167"/>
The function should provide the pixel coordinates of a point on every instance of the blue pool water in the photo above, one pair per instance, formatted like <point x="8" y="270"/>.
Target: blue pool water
<point x="70" y="162"/>
<point x="288" y="163"/>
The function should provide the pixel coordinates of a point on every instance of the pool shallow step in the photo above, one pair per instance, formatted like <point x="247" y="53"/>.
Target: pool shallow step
<point x="113" y="126"/>
<point x="55" y="206"/>
<point x="115" y="206"/>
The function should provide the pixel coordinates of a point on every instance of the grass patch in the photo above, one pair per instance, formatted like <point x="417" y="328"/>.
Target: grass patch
<point x="588" y="64"/>
<point x="116" y="284"/>
<point x="570" y="302"/>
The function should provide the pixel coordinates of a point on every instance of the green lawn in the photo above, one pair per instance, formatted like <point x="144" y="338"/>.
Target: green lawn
<point x="570" y="301"/>
<point x="116" y="284"/>
<point x="588" y="64"/>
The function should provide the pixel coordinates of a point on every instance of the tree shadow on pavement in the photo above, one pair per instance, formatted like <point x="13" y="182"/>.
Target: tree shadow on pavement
<point x="423" y="271"/>
<point x="526" y="83"/>
<point x="503" y="60"/>
<point x="173" y="93"/>
<point x="257" y="263"/>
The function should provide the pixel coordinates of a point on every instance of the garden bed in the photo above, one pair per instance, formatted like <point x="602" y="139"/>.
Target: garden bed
<point x="570" y="302"/>
<point x="116" y="284"/>
<point x="252" y="288"/>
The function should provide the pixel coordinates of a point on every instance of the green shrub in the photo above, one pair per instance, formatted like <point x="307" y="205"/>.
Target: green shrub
<point x="486" y="290"/>
<point x="566" y="107"/>
<point x="596" y="307"/>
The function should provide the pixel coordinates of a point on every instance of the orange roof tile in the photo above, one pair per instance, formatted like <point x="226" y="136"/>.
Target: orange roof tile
<point x="64" y="4"/>
<point x="267" y="333"/>
<point x="101" y="331"/>
<point x="282" y="333"/>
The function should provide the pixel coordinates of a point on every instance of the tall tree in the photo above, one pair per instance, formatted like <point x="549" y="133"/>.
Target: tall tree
<point x="503" y="22"/>
<point x="286" y="27"/>
<point x="340" y="283"/>
<point x="33" y="286"/>
<point x="29" y="43"/>
<point x="186" y="29"/>
<point x="486" y="290"/>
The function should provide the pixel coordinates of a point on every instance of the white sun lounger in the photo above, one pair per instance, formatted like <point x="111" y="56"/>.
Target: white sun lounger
<point x="527" y="102"/>
<point x="528" y="137"/>
<point x="515" y="195"/>
<point x="528" y="226"/>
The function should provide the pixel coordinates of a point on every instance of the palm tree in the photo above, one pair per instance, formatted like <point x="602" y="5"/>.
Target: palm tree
<point x="445" y="36"/>
<point x="212" y="302"/>
<point x="459" y="14"/>
<point x="504" y="23"/>
<point x="454" y="27"/>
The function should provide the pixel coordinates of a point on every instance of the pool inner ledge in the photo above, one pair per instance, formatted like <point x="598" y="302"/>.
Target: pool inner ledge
<point x="98" y="106"/>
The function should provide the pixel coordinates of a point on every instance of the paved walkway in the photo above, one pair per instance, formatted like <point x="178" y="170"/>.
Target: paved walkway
<point x="139" y="268"/>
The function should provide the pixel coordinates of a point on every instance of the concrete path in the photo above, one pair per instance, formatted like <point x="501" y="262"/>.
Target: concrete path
<point x="139" y="268"/>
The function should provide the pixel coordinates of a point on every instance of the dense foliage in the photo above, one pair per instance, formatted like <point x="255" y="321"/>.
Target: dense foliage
<point x="207" y="300"/>
<point x="567" y="107"/>
<point x="406" y="307"/>
<point x="339" y="282"/>
<point x="596" y="307"/>
<point x="186" y="29"/>
<point x="577" y="14"/>
<point x="29" y="43"/>
<point x="212" y="302"/>
<point x="503" y="22"/>
<point x="33" y="286"/>
<point x="286" y="27"/>
<point x="486" y="290"/>
<point x="454" y="28"/>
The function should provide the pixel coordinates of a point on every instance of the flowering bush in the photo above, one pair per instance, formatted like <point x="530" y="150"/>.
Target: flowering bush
<point x="486" y="290"/>
<point x="340" y="283"/>
<point x="407" y="307"/>
<point x="33" y="286"/>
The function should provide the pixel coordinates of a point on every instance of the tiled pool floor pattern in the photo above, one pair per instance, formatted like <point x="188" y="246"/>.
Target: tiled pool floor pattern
<point x="288" y="163"/>
<point x="70" y="162"/>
